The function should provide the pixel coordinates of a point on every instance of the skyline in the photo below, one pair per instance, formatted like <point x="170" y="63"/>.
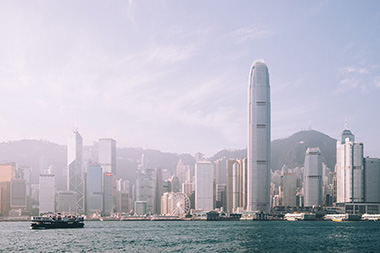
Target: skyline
<point x="173" y="75"/>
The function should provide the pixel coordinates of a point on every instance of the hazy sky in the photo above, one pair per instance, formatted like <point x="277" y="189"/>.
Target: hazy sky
<point x="173" y="75"/>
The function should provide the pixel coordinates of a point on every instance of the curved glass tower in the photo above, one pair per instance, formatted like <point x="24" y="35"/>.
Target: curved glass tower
<point x="258" y="151"/>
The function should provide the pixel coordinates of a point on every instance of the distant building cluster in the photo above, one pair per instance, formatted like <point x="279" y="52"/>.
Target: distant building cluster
<point x="353" y="187"/>
<point x="247" y="186"/>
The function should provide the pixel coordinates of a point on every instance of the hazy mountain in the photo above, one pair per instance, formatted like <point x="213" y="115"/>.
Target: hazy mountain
<point x="230" y="154"/>
<point x="129" y="158"/>
<point x="39" y="154"/>
<point x="291" y="151"/>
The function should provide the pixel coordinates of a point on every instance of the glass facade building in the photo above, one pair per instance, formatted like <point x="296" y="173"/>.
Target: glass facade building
<point x="94" y="188"/>
<point x="259" y="127"/>
<point x="313" y="178"/>
<point x="75" y="180"/>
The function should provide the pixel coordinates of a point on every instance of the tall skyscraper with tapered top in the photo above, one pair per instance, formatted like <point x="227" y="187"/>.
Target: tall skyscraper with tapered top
<point x="258" y="152"/>
<point x="75" y="180"/>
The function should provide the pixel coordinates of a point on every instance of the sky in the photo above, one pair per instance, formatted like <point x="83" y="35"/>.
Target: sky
<point x="173" y="75"/>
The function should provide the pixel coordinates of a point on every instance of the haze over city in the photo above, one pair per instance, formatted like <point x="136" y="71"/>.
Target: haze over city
<point x="173" y="75"/>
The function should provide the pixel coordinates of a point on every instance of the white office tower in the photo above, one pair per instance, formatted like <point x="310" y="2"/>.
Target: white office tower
<point x="107" y="155"/>
<point x="94" y="188"/>
<point x="372" y="180"/>
<point x="204" y="186"/>
<point x="75" y="182"/>
<point x="349" y="169"/>
<point x="313" y="178"/>
<point x="258" y="152"/>
<point x="47" y="192"/>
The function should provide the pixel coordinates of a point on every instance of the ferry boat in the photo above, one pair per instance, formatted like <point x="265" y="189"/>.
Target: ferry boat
<point x="371" y="217"/>
<point x="56" y="221"/>
<point x="342" y="217"/>
<point x="300" y="216"/>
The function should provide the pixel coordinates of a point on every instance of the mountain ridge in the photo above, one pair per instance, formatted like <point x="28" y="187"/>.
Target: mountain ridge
<point x="39" y="154"/>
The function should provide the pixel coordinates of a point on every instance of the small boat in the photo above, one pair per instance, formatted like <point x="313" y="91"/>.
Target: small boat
<point x="56" y="221"/>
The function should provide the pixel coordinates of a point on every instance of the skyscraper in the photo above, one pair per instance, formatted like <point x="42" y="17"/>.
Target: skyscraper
<point x="94" y="188"/>
<point x="181" y="172"/>
<point x="67" y="202"/>
<point x="289" y="189"/>
<point x="75" y="180"/>
<point x="47" y="192"/>
<point x="108" y="196"/>
<point x="204" y="188"/>
<point x="146" y="189"/>
<point x="7" y="173"/>
<point x="372" y="180"/>
<point x="18" y="193"/>
<point x="229" y="186"/>
<point x="107" y="155"/>
<point x="258" y="151"/>
<point x="313" y="178"/>
<point x="221" y="171"/>
<point x="349" y="169"/>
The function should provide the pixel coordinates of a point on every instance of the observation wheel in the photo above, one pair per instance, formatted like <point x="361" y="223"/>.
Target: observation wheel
<point x="180" y="204"/>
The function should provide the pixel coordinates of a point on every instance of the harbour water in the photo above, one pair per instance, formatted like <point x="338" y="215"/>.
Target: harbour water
<point x="195" y="236"/>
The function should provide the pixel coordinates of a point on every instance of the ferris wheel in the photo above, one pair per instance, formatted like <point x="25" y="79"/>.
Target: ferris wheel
<point x="180" y="204"/>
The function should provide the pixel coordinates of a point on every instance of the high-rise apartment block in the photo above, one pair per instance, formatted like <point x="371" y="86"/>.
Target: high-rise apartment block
<point x="259" y="127"/>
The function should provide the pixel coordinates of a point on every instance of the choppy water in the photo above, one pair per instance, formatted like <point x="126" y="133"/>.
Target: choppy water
<point x="194" y="236"/>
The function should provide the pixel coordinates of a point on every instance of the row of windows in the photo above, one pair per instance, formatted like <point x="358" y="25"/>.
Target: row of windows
<point x="261" y="162"/>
